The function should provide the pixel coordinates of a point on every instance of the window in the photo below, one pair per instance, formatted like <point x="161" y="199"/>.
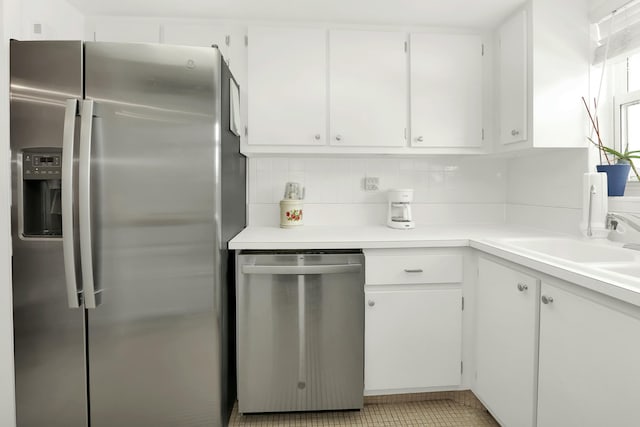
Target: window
<point x="627" y="108"/>
<point x="633" y="73"/>
<point x="630" y="128"/>
<point x="617" y="61"/>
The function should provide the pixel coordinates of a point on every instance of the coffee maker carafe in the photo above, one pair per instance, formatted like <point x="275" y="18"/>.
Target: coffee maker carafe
<point x="399" y="215"/>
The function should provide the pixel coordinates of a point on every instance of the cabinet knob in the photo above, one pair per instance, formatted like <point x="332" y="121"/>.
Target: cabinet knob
<point x="338" y="137"/>
<point x="317" y="137"/>
<point x="420" y="139"/>
<point x="522" y="287"/>
<point x="371" y="303"/>
<point x="515" y="132"/>
<point x="546" y="300"/>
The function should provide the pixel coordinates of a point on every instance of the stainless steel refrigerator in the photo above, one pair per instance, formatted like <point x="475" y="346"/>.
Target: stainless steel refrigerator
<point x="127" y="183"/>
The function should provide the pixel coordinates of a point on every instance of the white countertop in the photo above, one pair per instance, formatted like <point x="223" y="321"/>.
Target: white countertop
<point x="367" y="237"/>
<point x="485" y="238"/>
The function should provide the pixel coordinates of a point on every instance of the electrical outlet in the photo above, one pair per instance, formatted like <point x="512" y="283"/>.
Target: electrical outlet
<point x="371" y="183"/>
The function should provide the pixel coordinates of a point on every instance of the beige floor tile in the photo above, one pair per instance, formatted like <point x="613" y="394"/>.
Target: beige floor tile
<point x="432" y="413"/>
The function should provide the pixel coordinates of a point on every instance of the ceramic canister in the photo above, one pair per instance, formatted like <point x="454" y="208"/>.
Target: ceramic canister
<point x="291" y="213"/>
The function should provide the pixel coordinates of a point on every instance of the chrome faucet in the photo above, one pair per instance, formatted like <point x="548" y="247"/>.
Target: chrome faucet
<point x="631" y="220"/>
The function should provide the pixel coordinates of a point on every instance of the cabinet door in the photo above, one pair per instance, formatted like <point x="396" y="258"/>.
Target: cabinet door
<point x="589" y="370"/>
<point x="287" y="86"/>
<point x="446" y="90"/>
<point x="506" y="343"/>
<point x="368" y="88"/>
<point x="512" y="57"/>
<point x="126" y="31"/>
<point x="412" y="339"/>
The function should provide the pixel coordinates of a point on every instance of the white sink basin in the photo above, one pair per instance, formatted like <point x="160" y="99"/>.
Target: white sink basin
<point x="574" y="250"/>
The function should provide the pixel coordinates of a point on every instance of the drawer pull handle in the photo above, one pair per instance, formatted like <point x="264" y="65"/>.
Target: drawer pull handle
<point x="546" y="299"/>
<point x="413" y="270"/>
<point x="522" y="287"/>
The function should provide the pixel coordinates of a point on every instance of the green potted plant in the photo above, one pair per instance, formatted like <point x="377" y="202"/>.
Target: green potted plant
<point x="614" y="163"/>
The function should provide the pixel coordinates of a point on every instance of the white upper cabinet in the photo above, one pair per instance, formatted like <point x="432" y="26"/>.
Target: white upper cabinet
<point x="368" y="88"/>
<point x="512" y="69"/>
<point x="287" y="86"/>
<point x="446" y="90"/>
<point x="543" y="66"/>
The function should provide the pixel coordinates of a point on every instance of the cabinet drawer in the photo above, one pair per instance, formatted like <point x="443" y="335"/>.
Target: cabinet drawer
<point x="413" y="269"/>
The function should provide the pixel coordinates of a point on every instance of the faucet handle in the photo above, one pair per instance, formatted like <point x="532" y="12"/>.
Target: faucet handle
<point x="629" y="219"/>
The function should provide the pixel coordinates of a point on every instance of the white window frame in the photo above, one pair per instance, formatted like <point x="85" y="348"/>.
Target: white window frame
<point x="622" y="99"/>
<point x="621" y="102"/>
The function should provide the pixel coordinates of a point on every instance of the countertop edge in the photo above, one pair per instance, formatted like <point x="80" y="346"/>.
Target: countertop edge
<point x="380" y="244"/>
<point x="563" y="272"/>
<point x="573" y="273"/>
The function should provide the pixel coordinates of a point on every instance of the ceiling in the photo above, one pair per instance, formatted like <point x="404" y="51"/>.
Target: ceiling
<point x="450" y="13"/>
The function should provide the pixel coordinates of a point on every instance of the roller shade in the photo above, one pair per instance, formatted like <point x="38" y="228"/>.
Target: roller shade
<point x="621" y="30"/>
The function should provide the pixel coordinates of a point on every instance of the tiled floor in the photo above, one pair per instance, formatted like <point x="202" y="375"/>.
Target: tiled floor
<point x="438" y="413"/>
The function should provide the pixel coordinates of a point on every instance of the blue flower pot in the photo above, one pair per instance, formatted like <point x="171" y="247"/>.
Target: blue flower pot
<point x="617" y="177"/>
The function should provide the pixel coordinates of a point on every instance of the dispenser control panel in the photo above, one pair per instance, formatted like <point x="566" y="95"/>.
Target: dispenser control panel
<point x="42" y="165"/>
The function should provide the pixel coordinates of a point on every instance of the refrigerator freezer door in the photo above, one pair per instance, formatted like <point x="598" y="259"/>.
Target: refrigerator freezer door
<point x="48" y="335"/>
<point x="155" y="337"/>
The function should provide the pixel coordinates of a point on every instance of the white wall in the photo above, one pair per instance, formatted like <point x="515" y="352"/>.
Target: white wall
<point x="58" y="20"/>
<point x="448" y="190"/>
<point x="544" y="189"/>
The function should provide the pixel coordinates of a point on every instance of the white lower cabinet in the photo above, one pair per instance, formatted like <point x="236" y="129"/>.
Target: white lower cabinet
<point x="413" y="320"/>
<point x="589" y="371"/>
<point x="553" y="354"/>
<point x="412" y="339"/>
<point x="506" y="310"/>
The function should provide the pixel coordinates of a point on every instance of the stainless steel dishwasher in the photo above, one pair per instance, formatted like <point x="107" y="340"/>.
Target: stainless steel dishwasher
<point x="300" y="330"/>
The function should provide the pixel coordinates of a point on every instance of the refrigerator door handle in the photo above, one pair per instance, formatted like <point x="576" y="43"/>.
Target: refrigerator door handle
<point x="302" y="325"/>
<point x="74" y="292"/>
<point x="84" y="202"/>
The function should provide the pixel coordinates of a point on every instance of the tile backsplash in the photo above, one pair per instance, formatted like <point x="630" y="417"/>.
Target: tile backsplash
<point x="545" y="190"/>
<point x="446" y="189"/>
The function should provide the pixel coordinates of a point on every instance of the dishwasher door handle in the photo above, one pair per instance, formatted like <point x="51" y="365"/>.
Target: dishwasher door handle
<point x="301" y="269"/>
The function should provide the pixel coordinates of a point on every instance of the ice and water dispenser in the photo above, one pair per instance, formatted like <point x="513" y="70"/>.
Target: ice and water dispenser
<point x="41" y="192"/>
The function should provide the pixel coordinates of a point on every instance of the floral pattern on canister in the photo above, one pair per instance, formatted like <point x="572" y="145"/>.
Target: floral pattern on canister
<point x="294" y="215"/>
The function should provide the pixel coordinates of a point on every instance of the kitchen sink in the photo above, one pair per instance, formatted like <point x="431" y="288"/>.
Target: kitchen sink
<point x="574" y="250"/>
